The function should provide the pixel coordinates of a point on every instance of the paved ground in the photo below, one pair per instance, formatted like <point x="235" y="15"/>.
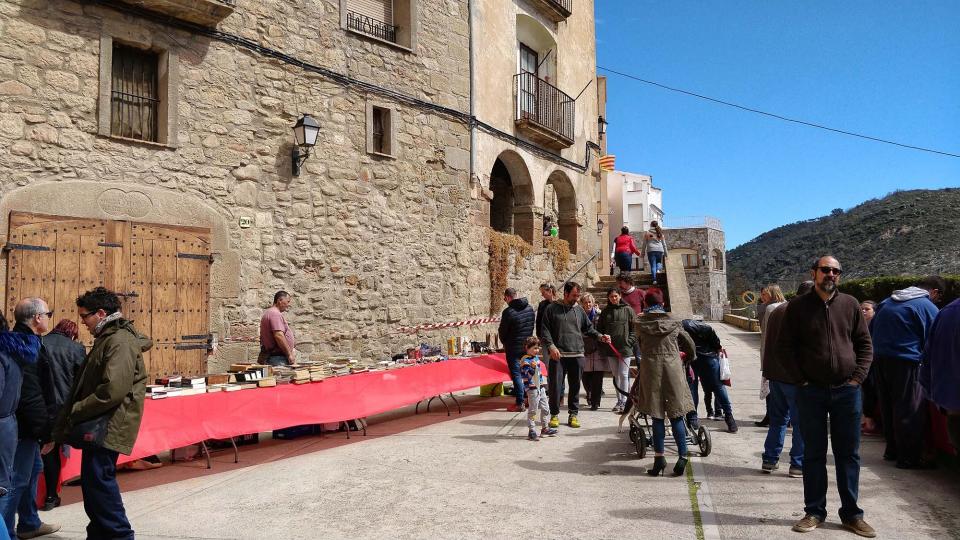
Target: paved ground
<point x="476" y="476"/>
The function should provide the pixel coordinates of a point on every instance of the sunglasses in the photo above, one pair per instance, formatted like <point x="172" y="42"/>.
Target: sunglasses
<point x="830" y="270"/>
<point x="49" y="314"/>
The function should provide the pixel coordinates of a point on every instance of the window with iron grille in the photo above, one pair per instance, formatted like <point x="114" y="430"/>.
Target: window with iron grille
<point x="134" y="96"/>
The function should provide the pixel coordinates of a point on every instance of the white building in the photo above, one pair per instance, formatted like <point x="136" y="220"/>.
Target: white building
<point x="634" y="202"/>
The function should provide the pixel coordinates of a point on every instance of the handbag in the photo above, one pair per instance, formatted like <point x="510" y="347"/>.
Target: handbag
<point x="725" y="373"/>
<point x="89" y="433"/>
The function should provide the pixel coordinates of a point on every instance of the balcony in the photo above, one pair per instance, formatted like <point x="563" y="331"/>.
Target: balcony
<point x="371" y="27"/>
<point x="202" y="12"/>
<point x="556" y="10"/>
<point x="543" y="112"/>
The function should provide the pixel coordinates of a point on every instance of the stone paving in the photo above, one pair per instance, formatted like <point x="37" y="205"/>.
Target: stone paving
<point x="476" y="476"/>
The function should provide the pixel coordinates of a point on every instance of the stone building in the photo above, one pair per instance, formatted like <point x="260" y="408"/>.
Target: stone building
<point x="634" y="203"/>
<point x="147" y="146"/>
<point x="699" y="243"/>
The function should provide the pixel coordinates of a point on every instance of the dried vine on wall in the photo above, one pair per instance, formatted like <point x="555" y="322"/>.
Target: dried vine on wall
<point x="501" y="245"/>
<point x="559" y="251"/>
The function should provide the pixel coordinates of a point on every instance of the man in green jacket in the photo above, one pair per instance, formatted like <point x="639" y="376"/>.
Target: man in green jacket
<point x="111" y="386"/>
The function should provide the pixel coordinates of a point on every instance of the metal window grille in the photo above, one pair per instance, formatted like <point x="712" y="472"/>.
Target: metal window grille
<point x="371" y="26"/>
<point x="134" y="99"/>
<point x="566" y="5"/>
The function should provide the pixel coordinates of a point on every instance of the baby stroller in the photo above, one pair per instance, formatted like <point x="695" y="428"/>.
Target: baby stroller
<point x="641" y="430"/>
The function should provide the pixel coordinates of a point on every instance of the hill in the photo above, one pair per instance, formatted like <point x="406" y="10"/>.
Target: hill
<point x="907" y="232"/>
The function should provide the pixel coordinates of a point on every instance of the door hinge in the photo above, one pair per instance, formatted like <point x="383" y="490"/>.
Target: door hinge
<point x="198" y="256"/>
<point x="26" y="247"/>
<point x="191" y="346"/>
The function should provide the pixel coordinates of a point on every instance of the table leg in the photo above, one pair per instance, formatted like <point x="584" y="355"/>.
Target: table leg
<point x="206" y="452"/>
<point x="454" y="398"/>
<point x="236" y="452"/>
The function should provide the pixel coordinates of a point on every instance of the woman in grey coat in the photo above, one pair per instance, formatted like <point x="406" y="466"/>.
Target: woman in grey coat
<point x="662" y="390"/>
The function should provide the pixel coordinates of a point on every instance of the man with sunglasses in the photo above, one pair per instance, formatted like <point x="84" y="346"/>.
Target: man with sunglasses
<point x="32" y="316"/>
<point x="825" y="346"/>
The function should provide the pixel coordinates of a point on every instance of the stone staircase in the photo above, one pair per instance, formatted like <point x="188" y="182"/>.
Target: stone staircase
<point x="673" y="283"/>
<point x="641" y="280"/>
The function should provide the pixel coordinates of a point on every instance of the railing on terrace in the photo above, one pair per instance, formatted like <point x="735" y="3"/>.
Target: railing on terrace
<point x="566" y="5"/>
<point x="372" y="27"/>
<point x="691" y="222"/>
<point x="544" y="104"/>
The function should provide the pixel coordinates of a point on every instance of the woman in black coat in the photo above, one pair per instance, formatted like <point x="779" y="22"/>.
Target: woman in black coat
<point x="60" y="359"/>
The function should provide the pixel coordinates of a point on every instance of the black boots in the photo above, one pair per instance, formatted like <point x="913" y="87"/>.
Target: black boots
<point x="659" y="464"/>
<point x="680" y="467"/>
<point x="732" y="426"/>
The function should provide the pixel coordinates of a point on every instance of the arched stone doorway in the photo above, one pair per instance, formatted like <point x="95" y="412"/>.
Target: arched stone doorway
<point x="560" y="203"/>
<point x="512" y="208"/>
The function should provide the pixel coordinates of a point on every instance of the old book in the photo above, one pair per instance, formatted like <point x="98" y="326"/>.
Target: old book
<point x="218" y="378"/>
<point x="267" y="382"/>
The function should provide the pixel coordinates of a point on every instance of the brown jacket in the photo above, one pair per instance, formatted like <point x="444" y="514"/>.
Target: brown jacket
<point x="662" y="390"/>
<point x="824" y="343"/>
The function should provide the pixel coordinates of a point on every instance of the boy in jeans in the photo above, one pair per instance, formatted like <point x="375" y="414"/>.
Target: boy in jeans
<point x="536" y="389"/>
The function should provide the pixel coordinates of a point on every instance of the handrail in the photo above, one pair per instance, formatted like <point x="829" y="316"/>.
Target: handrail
<point x="582" y="266"/>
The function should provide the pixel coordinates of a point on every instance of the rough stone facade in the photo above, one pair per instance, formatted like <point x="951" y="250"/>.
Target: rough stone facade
<point x="707" y="282"/>
<point x="365" y="243"/>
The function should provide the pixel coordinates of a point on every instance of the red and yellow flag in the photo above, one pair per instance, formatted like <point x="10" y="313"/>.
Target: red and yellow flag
<point x="607" y="162"/>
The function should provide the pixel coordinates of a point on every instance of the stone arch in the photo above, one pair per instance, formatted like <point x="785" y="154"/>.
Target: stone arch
<point x="512" y="208"/>
<point x="560" y="198"/>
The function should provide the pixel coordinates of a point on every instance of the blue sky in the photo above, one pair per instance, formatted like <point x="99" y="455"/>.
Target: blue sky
<point x="885" y="69"/>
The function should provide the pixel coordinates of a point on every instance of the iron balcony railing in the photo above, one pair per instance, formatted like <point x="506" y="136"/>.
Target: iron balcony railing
<point x="565" y="5"/>
<point x="371" y="27"/>
<point x="544" y="104"/>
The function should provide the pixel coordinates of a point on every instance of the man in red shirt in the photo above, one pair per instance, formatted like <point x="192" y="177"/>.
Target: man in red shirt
<point x="277" y="340"/>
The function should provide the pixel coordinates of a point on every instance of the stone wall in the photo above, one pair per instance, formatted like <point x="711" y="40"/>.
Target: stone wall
<point x="364" y="243"/>
<point x="707" y="283"/>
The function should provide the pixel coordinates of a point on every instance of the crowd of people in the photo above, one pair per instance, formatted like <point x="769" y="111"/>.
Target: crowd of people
<point x="837" y="367"/>
<point x="54" y="396"/>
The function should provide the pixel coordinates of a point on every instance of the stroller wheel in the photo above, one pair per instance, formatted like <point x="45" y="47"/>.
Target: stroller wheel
<point x="705" y="444"/>
<point x="641" y="444"/>
<point x="633" y="433"/>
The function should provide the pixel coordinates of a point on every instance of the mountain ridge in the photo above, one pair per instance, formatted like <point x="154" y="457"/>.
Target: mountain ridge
<point x="912" y="232"/>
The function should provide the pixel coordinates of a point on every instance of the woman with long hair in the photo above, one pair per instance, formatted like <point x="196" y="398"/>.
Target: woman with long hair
<point x="594" y="363"/>
<point x="61" y="357"/>
<point x="655" y="246"/>
<point x="624" y="249"/>
<point x="661" y="391"/>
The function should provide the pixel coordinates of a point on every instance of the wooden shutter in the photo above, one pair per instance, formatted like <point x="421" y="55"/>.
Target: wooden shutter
<point x="381" y="10"/>
<point x="57" y="259"/>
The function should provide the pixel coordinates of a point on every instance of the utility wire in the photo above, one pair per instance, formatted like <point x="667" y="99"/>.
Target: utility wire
<point x="777" y="116"/>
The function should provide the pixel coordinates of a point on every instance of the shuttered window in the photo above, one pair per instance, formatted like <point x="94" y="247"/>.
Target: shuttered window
<point x="134" y="96"/>
<point x="378" y="10"/>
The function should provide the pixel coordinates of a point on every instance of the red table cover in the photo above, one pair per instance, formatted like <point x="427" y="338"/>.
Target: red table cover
<point x="180" y="421"/>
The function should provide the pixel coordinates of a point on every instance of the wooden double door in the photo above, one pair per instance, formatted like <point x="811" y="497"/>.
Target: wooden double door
<point x="160" y="272"/>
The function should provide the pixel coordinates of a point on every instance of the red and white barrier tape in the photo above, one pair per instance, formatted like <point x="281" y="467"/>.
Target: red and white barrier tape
<point x="438" y="326"/>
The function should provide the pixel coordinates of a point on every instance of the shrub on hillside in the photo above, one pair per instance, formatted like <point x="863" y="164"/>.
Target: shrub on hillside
<point x="879" y="288"/>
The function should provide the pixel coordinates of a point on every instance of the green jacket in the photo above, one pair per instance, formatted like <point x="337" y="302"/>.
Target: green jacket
<point x="617" y="322"/>
<point x="113" y="381"/>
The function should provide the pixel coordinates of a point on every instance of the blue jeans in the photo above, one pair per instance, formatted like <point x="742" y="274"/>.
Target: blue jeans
<point x="8" y="449"/>
<point x="101" y="495"/>
<point x="624" y="260"/>
<point x="22" y="498"/>
<point x="656" y="262"/>
<point x="692" y="415"/>
<point x="679" y="435"/>
<point x="518" y="390"/>
<point x="782" y="408"/>
<point x="707" y="368"/>
<point x="844" y="407"/>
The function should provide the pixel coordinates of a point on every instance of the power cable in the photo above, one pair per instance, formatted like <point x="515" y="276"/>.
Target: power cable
<point x="777" y="116"/>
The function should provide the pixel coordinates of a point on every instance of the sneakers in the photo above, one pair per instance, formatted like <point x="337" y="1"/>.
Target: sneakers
<point x="532" y="435"/>
<point x="45" y="529"/>
<point x="515" y="408"/>
<point x="769" y="467"/>
<point x="573" y="421"/>
<point x="554" y="421"/>
<point x="795" y="472"/>
<point x="808" y="523"/>
<point x="548" y="432"/>
<point x="860" y="527"/>
<point x="716" y="416"/>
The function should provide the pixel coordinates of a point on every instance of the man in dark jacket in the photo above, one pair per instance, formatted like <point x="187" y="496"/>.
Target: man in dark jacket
<point x="825" y="345"/>
<point x="900" y="328"/>
<point x="516" y="325"/>
<point x="940" y="371"/>
<point x="33" y="429"/>
<point x="110" y="388"/>
<point x="59" y="364"/>
<point x="707" y="368"/>
<point x="782" y="401"/>
<point x="563" y="326"/>
<point x="16" y="351"/>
